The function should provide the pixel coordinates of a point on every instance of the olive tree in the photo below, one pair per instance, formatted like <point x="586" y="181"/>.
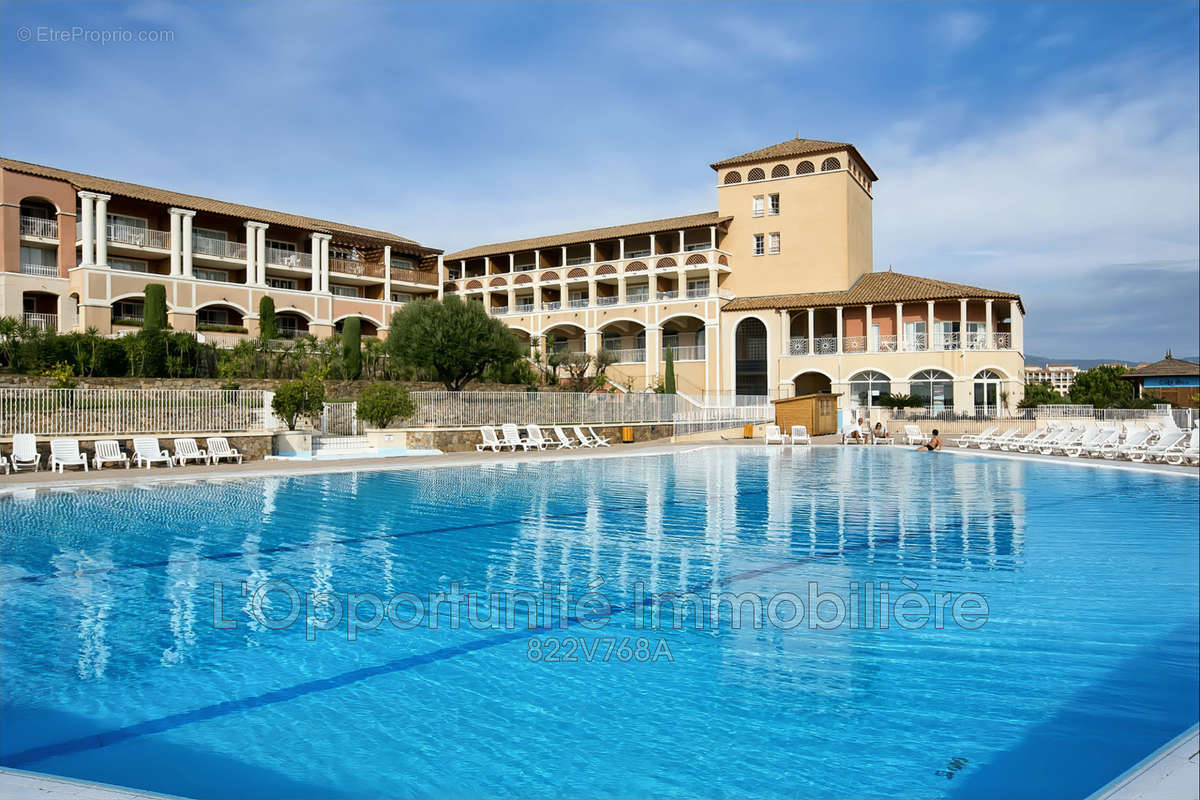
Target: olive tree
<point x="452" y="340"/>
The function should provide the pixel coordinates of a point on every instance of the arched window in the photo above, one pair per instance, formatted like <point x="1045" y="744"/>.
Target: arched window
<point x="866" y="388"/>
<point x="733" y="177"/>
<point x="750" y="357"/>
<point x="988" y="386"/>
<point x="756" y="174"/>
<point x="935" y="387"/>
<point x="805" y="168"/>
<point x="780" y="171"/>
<point x="830" y="163"/>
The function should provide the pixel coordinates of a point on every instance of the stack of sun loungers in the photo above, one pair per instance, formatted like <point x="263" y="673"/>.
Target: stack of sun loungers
<point x="1142" y="441"/>
<point x="65" y="452"/>
<point x="510" y="438"/>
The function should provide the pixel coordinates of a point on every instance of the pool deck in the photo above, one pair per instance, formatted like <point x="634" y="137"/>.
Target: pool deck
<point x="17" y="784"/>
<point x="1170" y="773"/>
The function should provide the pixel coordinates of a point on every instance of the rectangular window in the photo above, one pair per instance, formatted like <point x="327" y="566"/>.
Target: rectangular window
<point x="345" y="291"/>
<point x="212" y="316"/>
<point x="130" y="311"/>
<point x="128" y="265"/>
<point x="774" y="204"/>
<point x="128" y="222"/>
<point x="759" y="244"/>
<point x="39" y="256"/>
<point x="211" y="235"/>
<point x="401" y="297"/>
<point x="773" y="243"/>
<point x="758" y="205"/>
<point x="402" y="263"/>
<point x="289" y="247"/>
<point x="281" y="283"/>
<point x="203" y="274"/>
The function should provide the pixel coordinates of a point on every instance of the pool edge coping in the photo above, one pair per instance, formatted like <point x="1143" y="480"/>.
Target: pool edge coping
<point x="1162" y="763"/>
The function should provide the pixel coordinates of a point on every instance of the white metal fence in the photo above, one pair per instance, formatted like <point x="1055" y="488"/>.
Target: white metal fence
<point x="469" y="409"/>
<point x="55" y="412"/>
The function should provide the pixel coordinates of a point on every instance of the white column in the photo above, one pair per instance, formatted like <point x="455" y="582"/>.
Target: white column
<point x="1018" y="326"/>
<point x="812" y="316"/>
<point x="187" y="243"/>
<point x="929" y="337"/>
<point x="592" y="252"/>
<point x="512" y="263"/>
<point x="88" y="237"/>
<point x="681" y="238"/>
<point x="989" y="343"/>
<point x="653" y="249"/>
<point x="314" y="244"/>
<point x="462" y="268"/>
<point x="102" y="230"/>
<point x="785" y="325"/>
<point x="621" y="290"/>
<point x="387" y="274"/>
<point x="441" y="280"/>
<point x="839" y="330"/>
<point x="899" y="327"/>
<point x="512" y="299"/>
<point x="712" y="236"/>
<point x="962" y="323"/>
<point x="537" y="259"/>
<point x="622" y="243"/>
<point x="251" y="254"/>
<point x="592" y="293"/>
<point x="712" y="282"/>
<point x="867" y="347"/>
<point x="563" y="295"/>
<point x="325" y="262"/>
<point x="563" y="265"/>
<point x="176" y="243"/>
<point x="260" y="238"/>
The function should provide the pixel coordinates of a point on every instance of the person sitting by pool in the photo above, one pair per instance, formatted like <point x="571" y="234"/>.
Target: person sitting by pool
<point x="879" y="432"/>
<point x="934" y="443"/>
<point x="854" y="431"/>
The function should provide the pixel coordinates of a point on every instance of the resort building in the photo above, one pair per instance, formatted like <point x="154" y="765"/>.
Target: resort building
<point x="1059" y="377"/>
<point x="772" y="294"/>
<point x="1171" y="380"/>
<point x="79" y="250"/>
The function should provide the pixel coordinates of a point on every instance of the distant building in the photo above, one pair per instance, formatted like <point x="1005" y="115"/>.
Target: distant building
<point x="1170" y="380"/>
<point x="1059" y="377"/>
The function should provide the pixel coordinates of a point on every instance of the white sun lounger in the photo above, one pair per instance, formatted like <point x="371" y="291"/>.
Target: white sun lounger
<point x="25" y="453"/>
<point x="564" y="441"/>
<point x="800" y="435"/>
<point x="65" y="453"/>
<point x="4" y="463"/>
<point x="187" y="449"/>
<point x="601" y="441"/>
<point x="1036" y="438"/>
<point x="218" y="448"/>
<point x="1072" y="436"/>
<point x="1188" y="451"/>
<point x="490" y="440"/>
<point x="108" y="451"/>
<point x="1111" y="438"/>
<point x="512" y="437"/>
<point x="776" y="436"/>
<point x="146" y="451"/>
<point x="1093" y="438"/>
<point x="913" y="435"/>
<point x="1136" y="438"/>
<point x="583" y="438"/>
<point x="1165" y="444"/>
<point x="533" y="434"/>
<point x="987" y="443"/>
<point x="968" y="439"/>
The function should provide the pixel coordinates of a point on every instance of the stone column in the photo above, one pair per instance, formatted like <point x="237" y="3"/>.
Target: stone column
<point x="621" y="290"/>
<point x="962" y="323"/>
<point x="868" y="348"/>
<point x="441" y="279"/>
<point x="712" y="281"/>
<point x="653" y="249"/>
<point x="176" y="244"/>
<point x="387" y="274"/>
<point x="681" y="241"/>
<point x="314" y="244"/>
<point x="251" y="254"/>
<point x="325" y="238"/>
<point x="563" y="263"/>
<point x="712" y="236"/>
<point x="989" y="335"/>
<point x="102" y="230"/>
<point x="653" y="351"/>
<point x="812" y="316"/>
<point x="563" y="295"/>
<point x="1018" y="326"/>
<point x="512" y="299"/>
<point x="899" y="327"/>
<point x="839" y="330"/>
<point x="260" y="239"/>
<point x="88" y="237"/>
<point x="512" y="263"/>
<point x="187" y="242"/>
<point x="929" y="336"/>
<point x="537" y="259"/>
<point x="785" y="326"/>
<point x="537" y="296"/>
<point x="622" y="248"/>
<point x="592" y="252"/>
<point x="592" y="293"/>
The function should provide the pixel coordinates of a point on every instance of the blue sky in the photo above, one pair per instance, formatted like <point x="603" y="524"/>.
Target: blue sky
<point x="1047" y="148"/>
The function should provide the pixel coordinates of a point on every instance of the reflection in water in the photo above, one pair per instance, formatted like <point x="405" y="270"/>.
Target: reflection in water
<point x="182" y="578"/>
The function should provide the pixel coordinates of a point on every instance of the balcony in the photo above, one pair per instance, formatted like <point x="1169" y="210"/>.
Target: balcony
<point x="637" y="297"/>
<point x="551" y="305"/>
<point x="523" y="308"/>
<point x="688" y="353"/>
<point x="289" y="258"/>
<point x="36" y="226"/>
<point x="581" y="302"/>
<point x="362" y="269"/>
<point x="697" y="292"/>
<point x="139" y="237"/>
<point x="218" y="248"/>
<point x="912" y="343"/>
<point x="424" y="278"/>
<point x="636" y="355"/>
<point x="672" y="295"/>
<point x="607" y="301"/>
<point x="41" y="322"/>
<point x="499" y="310"/>
<point x="40" y="270"/>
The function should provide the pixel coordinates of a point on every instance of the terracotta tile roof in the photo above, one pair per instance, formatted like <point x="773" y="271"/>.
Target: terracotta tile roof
<point x="595" y="234"/>
<point x="874" y="287"/>
<point x="793" y="148"/>
<point x="1168" y="367"/>
<point x="107" y="186"/>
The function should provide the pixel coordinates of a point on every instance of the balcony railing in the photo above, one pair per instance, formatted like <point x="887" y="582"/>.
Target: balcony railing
<point x="630" y="356"/>
<point x="884" y="344"/>
<point x="825" y="345"/>
<point x="41" y="270"/>
<point x="289" y="258"/>
<point x="364" y="269"/>
<point x="498" y="310"/>
<point x="671" y="295"/>
<point x="523" y="308"/>
<point x="854" y="344"/>
<point x="687" y="353"/>
<point x="975" y="341"/>
<point x="41" y="322"/>
<point x="607" y="301"/>
<point x="913" y="343"/>
<point x="799" y="346"/>
<point x="423" y="277"/>
<point x="637" y="297"/>
<point x="36" y="226"/>
<point x="1001" y="341"/>
<point x="220" y="248"/>
<point x="139" y="237"/>
<point x="551" y="305"/>
<point x="582" y="302"/>
<point x="697" y="292"/>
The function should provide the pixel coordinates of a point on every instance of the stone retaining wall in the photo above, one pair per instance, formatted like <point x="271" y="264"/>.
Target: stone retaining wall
<point x="252" y="446"/>
<point x="333" y="388"/>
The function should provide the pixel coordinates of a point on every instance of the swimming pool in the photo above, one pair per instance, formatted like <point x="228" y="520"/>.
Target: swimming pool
<point x="114" y="667"/>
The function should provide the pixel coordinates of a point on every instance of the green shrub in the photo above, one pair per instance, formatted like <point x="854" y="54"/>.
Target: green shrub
<point x="63" y="375"/>
<point x="352" y="348"/>
<point x="268" y="325"/>
<point x="154" y="311"/>
<point x="299" y="398"/>
<point x="204" y="326"/>
<point x="669" y="380"/>
<point x="901" y="401"/>
<point x="381" y="404"/>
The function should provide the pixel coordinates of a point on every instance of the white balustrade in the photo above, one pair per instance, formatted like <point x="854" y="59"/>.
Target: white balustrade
<point x="36" y="226"/>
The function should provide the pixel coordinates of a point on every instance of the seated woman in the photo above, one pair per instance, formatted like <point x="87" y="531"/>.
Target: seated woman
<point x="879" y="432"/>
<point x="934" y="443"/>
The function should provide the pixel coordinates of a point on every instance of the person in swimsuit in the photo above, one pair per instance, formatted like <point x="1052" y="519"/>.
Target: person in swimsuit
<point x="934" y="443"/>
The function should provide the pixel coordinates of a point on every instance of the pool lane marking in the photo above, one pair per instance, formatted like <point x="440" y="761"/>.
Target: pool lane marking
<point x="291" y="548"/>
<point x="172" y="721"/>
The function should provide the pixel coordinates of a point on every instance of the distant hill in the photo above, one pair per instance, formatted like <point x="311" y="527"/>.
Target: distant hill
<point x="1088" y="363"/>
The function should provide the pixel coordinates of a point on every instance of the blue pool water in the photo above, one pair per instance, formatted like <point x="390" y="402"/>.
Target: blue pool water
<point x="113" y="668"/>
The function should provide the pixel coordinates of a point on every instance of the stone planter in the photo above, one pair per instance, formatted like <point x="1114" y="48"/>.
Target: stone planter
<point x="293" y="444"/>
<point x="388" y="441"/>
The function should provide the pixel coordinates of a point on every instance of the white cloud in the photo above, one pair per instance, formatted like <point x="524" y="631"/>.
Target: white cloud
<point x="958" y="29"/>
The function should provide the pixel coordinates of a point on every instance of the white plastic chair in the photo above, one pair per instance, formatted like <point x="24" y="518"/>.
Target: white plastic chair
<point x="775" y="435"/>
<point x="146" y="451"/>
<point x="512" y="437"/>
<point x="913" y="435"/>
<point x="800" y="435"/>
<point x="533" y="435"/>
<point x="601" y="441"/>
<point x="490" y="440"/>
<point x="108" y="451"/>
<point x="218" y="448"/>
<point x="65" y="453"/>
<point x="186" y="449"/>
<point x="564" y="441"/>
<point x="25" y="452"/>
<point x="1166" y="443"/>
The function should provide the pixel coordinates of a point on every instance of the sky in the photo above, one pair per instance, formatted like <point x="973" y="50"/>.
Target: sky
<point x="1052" y="149"/>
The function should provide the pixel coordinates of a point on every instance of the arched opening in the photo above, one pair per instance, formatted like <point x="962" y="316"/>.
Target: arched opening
<point x="220" y="318"/>
<point x="756" y="174"/>
<point x="564" y="338"/>
<point x="988" y="386"/>
<point x="39" y="217"/>
<point x="780" y="171"/>
<point x="129" y="311"/>
<point x="934" y="387"/>
<point x="866" y="388"/>
<point x="750" y="357"/>
<point x="830" y="164"/>
<point x="805" y="168"/>
<point x="685" y="337"/>
<point x="291" y="324"/>
<point x="811" y="383"/>
<point x="626" y="340"/>
<point x="733" y="177"/>
<point x="40" y="310"/>
<point x="366" y="326"/>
